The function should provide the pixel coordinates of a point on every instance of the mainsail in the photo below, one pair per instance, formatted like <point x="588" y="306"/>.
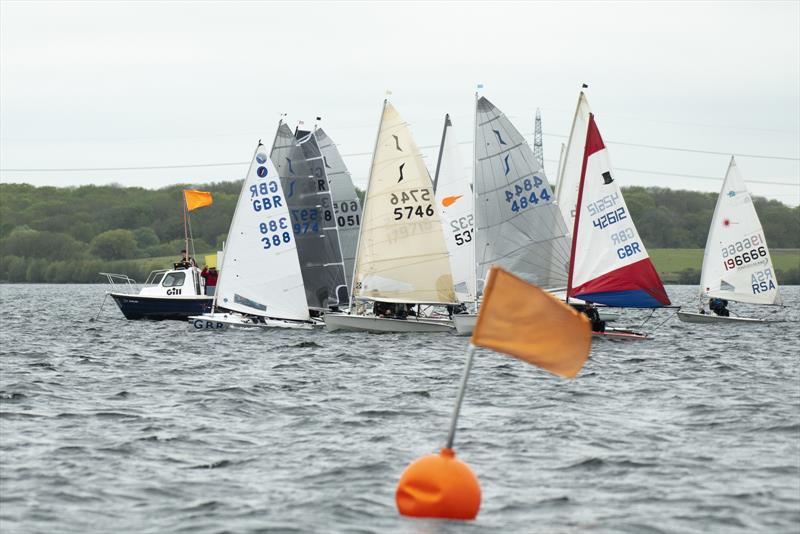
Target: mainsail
<point x="402" y="255"/>
<point x="518" y="225"/>
<point x="260" y="273"/>
<point x="609" y="263"/>
<point x="569" y="171"/>
<point x="454" y="197"/>
<point x="737" y="265"/>
<point x="346" y="204"/>
<point x="313" y="225"/>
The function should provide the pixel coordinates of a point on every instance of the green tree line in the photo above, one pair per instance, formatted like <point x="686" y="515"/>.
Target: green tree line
<point x="69" y="234"/>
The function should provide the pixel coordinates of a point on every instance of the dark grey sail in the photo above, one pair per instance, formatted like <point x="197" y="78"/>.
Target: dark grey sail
<point x="315" y="231"/>
<point x="518" y="225"/>
<point x="347" y="206"/>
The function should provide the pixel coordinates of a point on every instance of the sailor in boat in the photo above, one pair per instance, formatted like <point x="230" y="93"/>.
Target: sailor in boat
<point x="185" y="261"/>
<point x="719" y="306"/>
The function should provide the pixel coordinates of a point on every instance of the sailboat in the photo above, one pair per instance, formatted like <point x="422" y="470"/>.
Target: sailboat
<point x="608" y="263"/>
<point x="402" y="256"/>
<point x="518" y="226"/>
<point x="309" y="200"/>
<point x="454" y="198"/>
<point x="736" y="264"/>
<point x="260" y="283"/>
<point x="346" y="204"/>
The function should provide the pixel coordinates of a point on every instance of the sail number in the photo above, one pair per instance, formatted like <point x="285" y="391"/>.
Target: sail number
<point x="599" y="206"/>
<point x="305" y="221"/>
<point x="747" y="257"/>
<point x="263" y="196"/>
<point x="524" y="196"/>
<point x="272" y="235"/>
<point x="610" y="218"/>
<point x="462" y="229"/>
<point x="742" y="245"/>
<point x="412" y="204"/>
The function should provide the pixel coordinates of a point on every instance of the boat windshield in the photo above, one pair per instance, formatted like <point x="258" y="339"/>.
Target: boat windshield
<point x="174" y="279"/>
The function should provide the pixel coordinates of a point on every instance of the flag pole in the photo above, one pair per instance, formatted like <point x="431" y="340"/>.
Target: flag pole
<point x="185" y="229"/>
<point x="461" y="390"/>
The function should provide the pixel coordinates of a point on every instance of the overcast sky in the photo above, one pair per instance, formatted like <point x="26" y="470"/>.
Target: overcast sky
<point x="115" y="84"/>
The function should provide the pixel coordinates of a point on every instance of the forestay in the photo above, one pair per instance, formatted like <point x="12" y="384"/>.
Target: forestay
<point x="454" y="197"/>
<point x="609" y="262"/>
<point x="737" y="265"/>
<point x="347" y="206"/>
<point x="402" y="255"/>
<point x="260" y="273"/>
<point x="518" y="225"/>
<point x="569" y="172"/>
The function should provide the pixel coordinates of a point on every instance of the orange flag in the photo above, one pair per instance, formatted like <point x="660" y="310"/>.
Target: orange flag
<point x="197" y="199"/>
<point x="520" y="319"/>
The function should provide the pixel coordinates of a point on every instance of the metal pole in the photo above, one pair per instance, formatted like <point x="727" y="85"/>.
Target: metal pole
<point x="461" y="390"/>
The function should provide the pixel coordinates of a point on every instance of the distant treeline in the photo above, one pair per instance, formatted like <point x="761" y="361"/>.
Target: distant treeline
<point x="69" y="234"/>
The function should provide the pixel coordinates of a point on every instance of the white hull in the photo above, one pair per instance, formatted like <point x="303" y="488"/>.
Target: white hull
<point x="370" y="323"/>
<point x="692" y="317"/>
<point x="223" y="321"/>
<point x="465" y="323"/>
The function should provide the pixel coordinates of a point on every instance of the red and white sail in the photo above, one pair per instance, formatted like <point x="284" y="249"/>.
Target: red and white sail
<point x="609" y="263"/>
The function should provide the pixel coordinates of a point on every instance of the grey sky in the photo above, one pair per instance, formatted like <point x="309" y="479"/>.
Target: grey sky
<point x="86" y="85"/>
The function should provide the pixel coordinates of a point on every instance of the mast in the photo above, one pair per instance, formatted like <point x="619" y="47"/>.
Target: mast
<point x="225" y="256"/>
<point x="578" y="206"/>
<point x="441" y="151"/>
<point x="475" y="192"/>
<point x="364" y="207"/>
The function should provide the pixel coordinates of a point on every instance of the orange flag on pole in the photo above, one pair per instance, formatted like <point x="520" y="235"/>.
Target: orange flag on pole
<point x="520" y="319"/>
<point x="197" y="199"/>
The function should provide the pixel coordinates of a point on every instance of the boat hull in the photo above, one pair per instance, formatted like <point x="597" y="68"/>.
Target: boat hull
<point x="224" y="321"/>
<point x="621" y="334"/>
<point x="370" y="323"/>
<point x="159" y="308"/>
<point x="465" y="323"/>
<point x="692" y="317"/>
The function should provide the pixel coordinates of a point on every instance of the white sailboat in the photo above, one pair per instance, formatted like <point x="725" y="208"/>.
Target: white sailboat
<point x="609" y="264"/>
<point x="736" y="264"/>
<point x="517" y="223"/>
<point x="402" y="256"/>
<point x="260" y="283"/>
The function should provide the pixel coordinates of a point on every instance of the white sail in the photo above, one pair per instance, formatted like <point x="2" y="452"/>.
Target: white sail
<point x="260" y="274"/>
<point x="737" y="265"/>
<point x="402" y="255"/>
<point x="454" y="197"/>
<point x="569" y="172"/>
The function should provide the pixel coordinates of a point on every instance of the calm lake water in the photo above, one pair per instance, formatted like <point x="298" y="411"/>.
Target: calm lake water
<point x="130" y="426"/>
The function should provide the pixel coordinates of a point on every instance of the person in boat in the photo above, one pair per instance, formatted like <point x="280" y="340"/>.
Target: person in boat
<point x="210" y="276"/>
<point x="185" y="262"/>
<point x="455" y="309"/>
<point x="719" y="306"/>
<point x="594" y="316"/>
<point x="382" y="309"/>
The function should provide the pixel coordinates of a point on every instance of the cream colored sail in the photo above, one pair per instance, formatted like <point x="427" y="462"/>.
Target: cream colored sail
<point x="402" y="254"/>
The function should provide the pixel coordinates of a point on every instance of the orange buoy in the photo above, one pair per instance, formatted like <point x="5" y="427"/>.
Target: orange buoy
<point x="440" y="486"/>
